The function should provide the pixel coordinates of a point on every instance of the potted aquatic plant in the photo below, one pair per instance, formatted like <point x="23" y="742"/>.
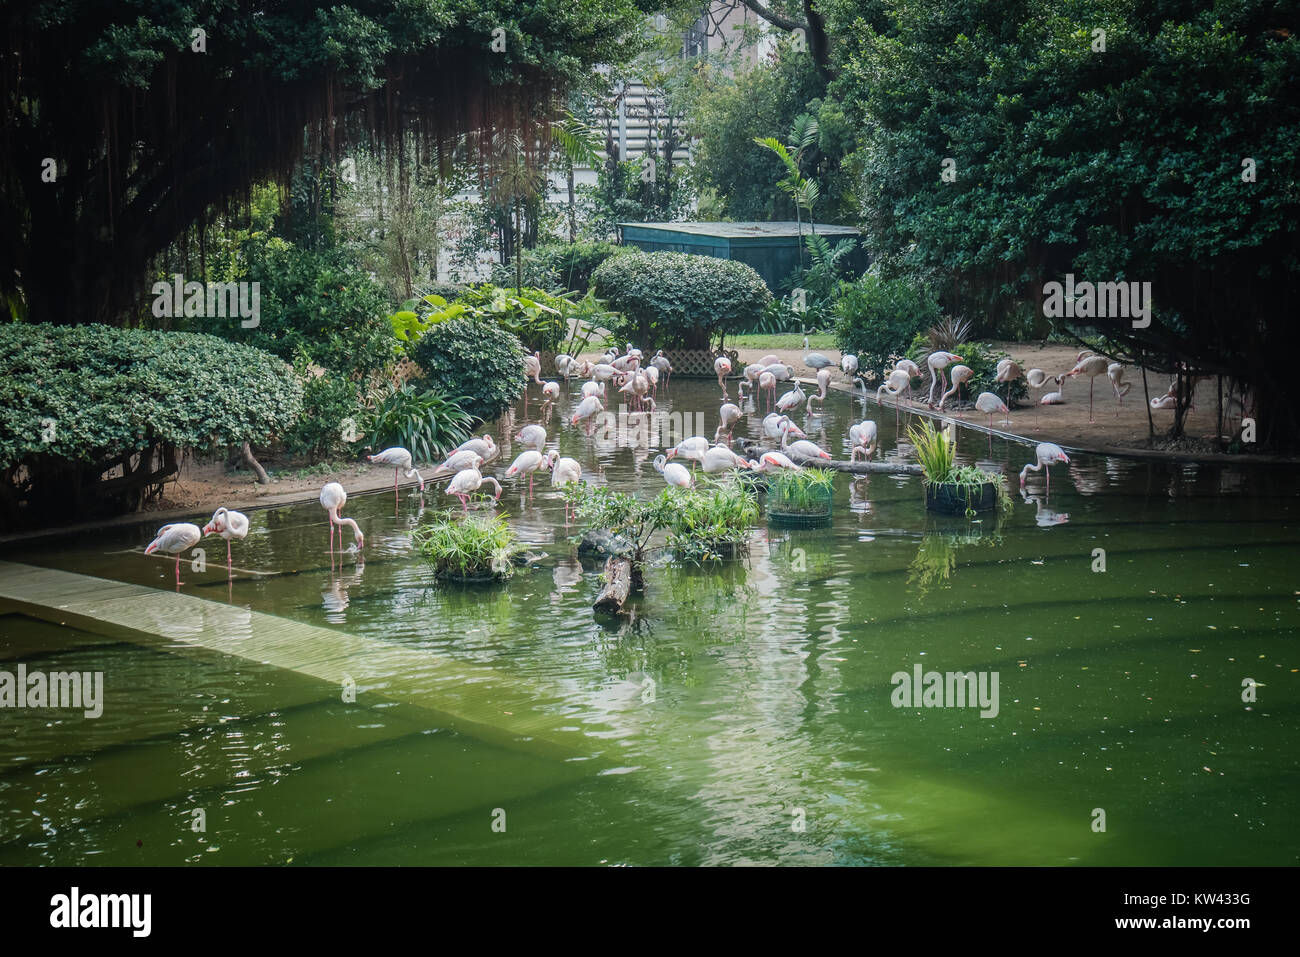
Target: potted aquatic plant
<point x="800" y="498"/>
<point x="949" y="488"/>
<point x="710" y="522"/>
<point x="470" y="549"/>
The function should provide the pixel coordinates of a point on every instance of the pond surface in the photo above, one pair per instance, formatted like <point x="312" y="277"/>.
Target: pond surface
<point x="770" y="734"/>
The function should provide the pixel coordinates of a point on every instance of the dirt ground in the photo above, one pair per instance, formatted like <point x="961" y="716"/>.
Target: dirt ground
<point x="202" y="487"/>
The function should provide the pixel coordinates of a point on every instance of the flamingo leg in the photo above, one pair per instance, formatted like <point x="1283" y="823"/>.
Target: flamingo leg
<point x="1091" y="382"/>
<point x="229" y="571"/>
<point x="178" y="569"/>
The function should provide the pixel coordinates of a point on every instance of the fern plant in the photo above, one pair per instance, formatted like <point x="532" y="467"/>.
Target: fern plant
<point x="428" y="424"/>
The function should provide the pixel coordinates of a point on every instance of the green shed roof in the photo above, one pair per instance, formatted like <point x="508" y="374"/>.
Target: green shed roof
<point x="779" y="230"/>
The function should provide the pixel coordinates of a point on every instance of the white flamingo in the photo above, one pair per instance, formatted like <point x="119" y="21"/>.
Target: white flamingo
<point x="593" y="388"/>
<point x="960" y="375"/>
<point x="1091" y="366"/>
<point x="401" y="461"/>
<point x="938" y="361"/>
<point x="776" y="426"/>
<point x="863" y="438"/>
<point x="823" y="389"/>
<point x="989" y="403"/>
<point x="674" y="473"/>
<point x="563" y="471"/>
<point x="660" y="362"/>
<point x="533" y="367"/>
<point x="722" y="366"/>
<point x="463" y="459"/>
<point x="770" y="359"/>
<point x="728" y="416"/>
<point x="1115" y="372"/>
<point x="332" y="499"/>
<point x="485" y="446"/>
<point x="1046" y="454"/>
<point x="586" y="409"/>
<point x="532" y="437"/>
<point x="228" y="524"/>
<point x="804" y="448"/>
<point x="720" y="459"/>
<point x="174" y="539"/>
<point x="468" y="481"/>
<point x="775" y="460"/>
<point x="1058" y="397"/>
<point x="550" y="392"/>
<point x="528" y="463"/>
<point x="1008" y="372"/>
<point x="692" y="448"/>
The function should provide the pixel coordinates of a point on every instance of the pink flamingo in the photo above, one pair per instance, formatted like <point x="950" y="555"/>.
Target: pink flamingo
<point x="674" y="473"/>
<point x="1046" y="454"/>
<point x="563" y="471"/>
<point x="728" y="415"/>
<point x="466" y="482"/>
<point x="938" y="361"/>
<point x="332" y="499"/>
<point x="775" y="460"/>
<point x="1008" y="372"/>
<point x="401" y="461"/>
<point x="863" y="438"/>
<point x="1091" y="366"/>
<point x="175" y="539"/>
<point x="722" y="366"/>
<point x="228" y="524"/>
<point x="823" y="389"/>
<point x="960" y="375"/>
<point x="529" y="463"/>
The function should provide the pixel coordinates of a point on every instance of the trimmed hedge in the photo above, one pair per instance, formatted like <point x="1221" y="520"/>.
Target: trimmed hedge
<point x="876" y="320"/>
<point x="474" y="358"/>
<point x="679" y="300"/>
<point x="81" y="400"/>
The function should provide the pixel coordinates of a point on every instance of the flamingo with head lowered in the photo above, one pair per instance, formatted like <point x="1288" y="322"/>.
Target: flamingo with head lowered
<point x="332" y="499"/>
<point x="938" y="361"/>
<point x="1046" y="455"/>
<point x="674" y="473"/>
<point x="728" y="415"/>
<point x="228" y="525"/>
<point x="174" y="539"/>
<point x="823" y="389"/>
<point x="401" y="461"/>
<point x="863" y="438"/>
<point x="467" y="481"/>
<point x="722" y="366"/>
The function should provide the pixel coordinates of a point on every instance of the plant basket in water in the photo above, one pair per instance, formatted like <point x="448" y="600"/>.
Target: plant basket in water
<point x="474" y="577"/>
<point x="951" y="498"/>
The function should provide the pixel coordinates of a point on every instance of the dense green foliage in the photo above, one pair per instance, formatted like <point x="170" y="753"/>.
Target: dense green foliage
<point x="82" y="400"/>
<point x="677" y="300"/>
<point x="558" y="266"/>
<point x="710" y="520"/>
<point x="331" y="408"/>
<point x="542" y="321"/>
<point x="806" y="490"/>
<point x="476" y="358"/>
<point x="877" y="318"/>
<point x="467" y="546"/>
<point x="426" y="423"/>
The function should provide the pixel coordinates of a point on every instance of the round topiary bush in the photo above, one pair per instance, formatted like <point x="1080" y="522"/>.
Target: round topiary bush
<point x="473" y="358"/>
<point x="95" y="418"/>
<point x="877" y="318"/>
<point x="679" y="300"/>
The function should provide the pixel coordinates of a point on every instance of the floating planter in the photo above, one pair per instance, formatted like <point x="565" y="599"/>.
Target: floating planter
<point x="800" y="499"/>
<point x="471" y="550"/>
<point x="948" y="489"/>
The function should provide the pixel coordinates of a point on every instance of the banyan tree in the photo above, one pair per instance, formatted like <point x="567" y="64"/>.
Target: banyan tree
<point x="126" y="123"/>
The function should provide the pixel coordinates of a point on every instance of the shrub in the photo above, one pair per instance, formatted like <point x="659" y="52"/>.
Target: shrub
<point x="473" y="358"/>
<point x="710" y="519"/>
<point x="84" y="400"/>
<point x="428" y="424"/>
<point x="678" y="300"/>
<point x="330" y="403"/>
<point x="877" y="318"/>
<point x="316" y="303"/>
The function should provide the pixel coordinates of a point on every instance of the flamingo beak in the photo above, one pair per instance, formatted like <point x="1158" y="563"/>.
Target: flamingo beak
<point x="1065" y="458"/>
<point x="208" y="529"/>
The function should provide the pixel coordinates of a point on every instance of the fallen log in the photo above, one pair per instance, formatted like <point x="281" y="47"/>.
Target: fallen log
<point x="840" y="465"/>
<point x="618" y="585"/>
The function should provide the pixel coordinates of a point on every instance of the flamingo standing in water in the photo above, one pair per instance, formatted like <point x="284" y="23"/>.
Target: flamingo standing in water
<point x="174" y="539"/>
<point x="823" y="389"/>
<point x="550" y="392"/>
<point x="1046" y="455"/>
<point x="674" y="473"/>
<point x="586" y="409"/>
<point x="1091" y="366"/>
<point x="532" y="437"/>
<point x="401" y="461"/>
<point x="722" y="366"/>
<point x="728" y="415"/>
<point x="563" y="471"/>
<point x="529" y="463"/>
<point x="332" y="499"/>
<point x="466" y="482"/>
<point x="228" y="525"/>
<point x="863" y="438"/>
<point x="660" y="362"/>
<point x="938" y="361"/>
<point x="692" y="448"/>
<point x="486" y="447"/>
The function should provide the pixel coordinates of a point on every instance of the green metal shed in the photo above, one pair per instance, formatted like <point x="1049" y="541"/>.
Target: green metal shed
<point x="772" y="249"/>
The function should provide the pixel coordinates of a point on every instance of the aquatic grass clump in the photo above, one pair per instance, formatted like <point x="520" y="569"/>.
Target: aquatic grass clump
<point x="801" y="491"/>
<point x="710" y="521"/>
<point x="468" y="548"/>
<point x="945" y="481"/>
<point x="934" y="453"/>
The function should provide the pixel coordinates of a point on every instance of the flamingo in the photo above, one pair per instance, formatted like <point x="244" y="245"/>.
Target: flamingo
<point x="823" y="386"/>
<point x="563" y="471"/>
<point x="528" y="463"/>
<point x="175" y="539"/>
<point x="1091" y="366"/>
<point x="586" y="409"/>
<point x="989" y="403"/>
<point x="722" y="366"/>
<point x="532" y="437"/>
<point x="332" y="499"/>
<point x="1166" y="401"/>
<point x="593" y="388"/>
<point x="791" y="400"/>
<point x="564" y="364"/>
<point x="775" y="460"/>
<point x="1046" y="455"/>
<point x="464" y="459"/>
<point x="1058" y="397"/>
<point x="1036" y="379"/>
<point x="815" y="360"/>
<point x="777" y="426"/>
<point x="780" y="371"/>
<point x="1008" y="372"/>
<point x="911" y="368"/>
<point x="720" y="459"/>
<point x="674" y="473"/>
<point x="692" y="448"/>
<point x="485" y="447"/>
<point x="804" y="448"/>
<point x="849" y="365"/>
<point x="767" y="383"/>
<point x="898" y="382"/>
<point x="533" y="367"/>
<point x="769" y="359"/>
<point x="604" y="372"/>
<point x="400" y="459"/>
<point x="1115" y="372"/>
<point x="728" y="415"/>
<point x="660" y="362"/>
<point x="937" y="362"/>
<point x="863" y="438"/>
<point x="550" y="392"/>
<point x="652" y="376"/>
<point x="466" y="482"/>
<point x="960" y="374"/>
<point x="228" y="524"/>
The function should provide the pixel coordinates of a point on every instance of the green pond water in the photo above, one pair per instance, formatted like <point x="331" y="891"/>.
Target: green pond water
<point x="770" y="736"/>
